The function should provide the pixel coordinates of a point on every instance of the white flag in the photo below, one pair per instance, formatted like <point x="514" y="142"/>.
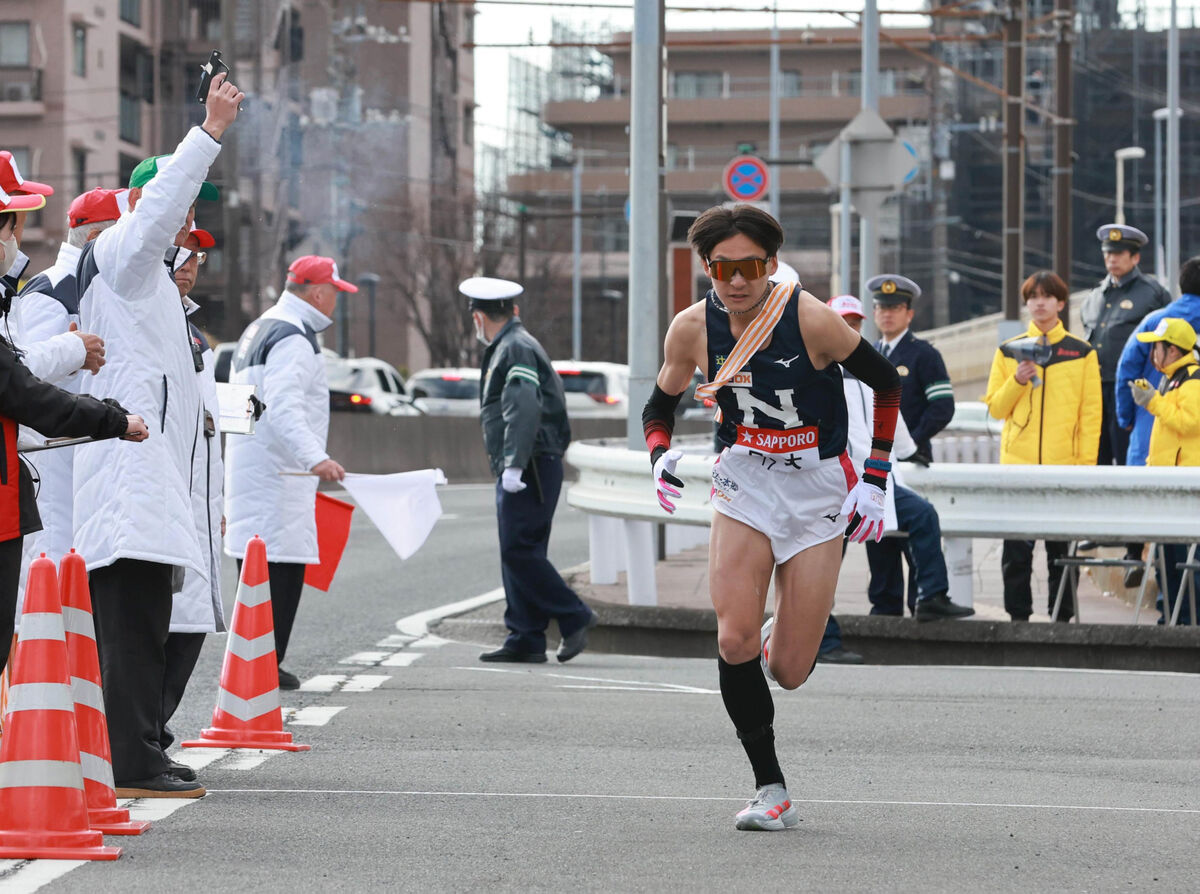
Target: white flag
<point x="404" y="506"/>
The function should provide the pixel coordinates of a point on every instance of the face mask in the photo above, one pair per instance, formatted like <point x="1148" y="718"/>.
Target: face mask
<point x="10" y="254"/>
<point x="483" y="339"/>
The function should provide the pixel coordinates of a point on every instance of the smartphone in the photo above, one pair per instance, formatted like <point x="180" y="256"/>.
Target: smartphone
<point x="210" y="70"/>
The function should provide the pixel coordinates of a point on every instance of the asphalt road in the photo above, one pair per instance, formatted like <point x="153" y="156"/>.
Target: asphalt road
<point x="615" y="773"/>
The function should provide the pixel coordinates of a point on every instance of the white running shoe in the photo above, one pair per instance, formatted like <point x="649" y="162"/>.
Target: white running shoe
<point x="765" y="648"/>
<point x="770" y="811"/>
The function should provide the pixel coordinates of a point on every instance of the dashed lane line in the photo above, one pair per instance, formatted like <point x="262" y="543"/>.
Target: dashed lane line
<point x="313" y="715"/>
<point x="365" y="682"/>
<point x="245" y="759"/>
<point x="400" y="659"/>
<point x="344" y="683"/>
<point x="323" y="683"/>
<point x="367" y="658"/>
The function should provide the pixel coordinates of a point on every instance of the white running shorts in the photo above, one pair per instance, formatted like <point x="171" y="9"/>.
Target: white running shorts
<point x="795" y="510"/>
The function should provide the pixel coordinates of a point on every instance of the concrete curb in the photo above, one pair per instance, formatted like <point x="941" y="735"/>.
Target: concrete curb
<point x="691" y="633"/>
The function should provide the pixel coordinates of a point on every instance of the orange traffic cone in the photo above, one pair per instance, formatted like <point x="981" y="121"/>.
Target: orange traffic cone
<point x="43" y="809"/>
<point x="94" y="754"/>
<point x="247" y="714"/>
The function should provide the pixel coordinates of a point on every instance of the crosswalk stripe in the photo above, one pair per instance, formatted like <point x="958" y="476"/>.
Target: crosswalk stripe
<point x="400" y="659"/>
<point x="313" y="715"/>
<point x="323" y="683"/>
<point x="365" y="682"/>
<point x="365" y="658"/>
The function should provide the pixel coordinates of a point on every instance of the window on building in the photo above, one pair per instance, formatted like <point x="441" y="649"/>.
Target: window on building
<point x="697" y="84"/>
<point x="14" y="44"/>
<point x="789" y="83"/>
<point x="129" y="119"/>
<point x="79" y="168"/>
<point x="131" y="12"/>
<point x="469" y="125"/>
<point x="125" y="166"/>
<point x="79" y="49"/>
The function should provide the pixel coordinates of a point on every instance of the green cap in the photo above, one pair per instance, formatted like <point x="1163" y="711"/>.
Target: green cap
<point x="148" y="167"/>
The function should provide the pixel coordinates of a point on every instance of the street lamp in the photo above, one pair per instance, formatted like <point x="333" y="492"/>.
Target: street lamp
<point x="370" y="280"/>
<point x="1160" y="224"/>
<point x="1123" y="155"/>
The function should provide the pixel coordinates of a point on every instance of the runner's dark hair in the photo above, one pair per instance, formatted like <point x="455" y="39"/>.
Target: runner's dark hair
<point x="719" y="223"/>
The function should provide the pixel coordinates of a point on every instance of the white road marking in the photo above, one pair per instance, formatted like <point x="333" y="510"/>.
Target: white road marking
<point x="633" y="685"/>
<point x="199" y="758"/>
<point x="24" y="876"/>
<point x="365" y="682"/>
<point x="323" y="683"/>
<point x="395" y="641"/>
<point x="313" y="715"/>
<point x="429" y="641"/>
<point x="1104" y="808"/>
<point x="153" y="809"/>
<point x="368" y="658"/>
<point x="400" y="659"/>
<point x="418" y="625"/>
<point x="637" y="689"/>
<point x="246" y="759"/>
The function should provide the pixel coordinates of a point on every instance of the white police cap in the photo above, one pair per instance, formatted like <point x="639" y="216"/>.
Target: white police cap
<point x="486" y="288"/>
<point x="891" y="288"/>
<point x="1118" y="237"/>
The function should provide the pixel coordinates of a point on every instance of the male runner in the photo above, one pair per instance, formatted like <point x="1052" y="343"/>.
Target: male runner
<point x="783" y="485"/>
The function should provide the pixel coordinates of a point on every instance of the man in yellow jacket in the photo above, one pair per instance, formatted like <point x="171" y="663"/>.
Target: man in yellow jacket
<point x="1175" y="438"/>
<point x="1052" y="412"/>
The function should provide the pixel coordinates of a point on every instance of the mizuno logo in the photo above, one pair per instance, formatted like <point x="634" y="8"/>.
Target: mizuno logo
<point x="787" y="364"/>
<point x="832" y="516"/>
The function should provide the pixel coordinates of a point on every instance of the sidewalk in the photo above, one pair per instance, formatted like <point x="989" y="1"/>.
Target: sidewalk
<point x="683" y="583"/>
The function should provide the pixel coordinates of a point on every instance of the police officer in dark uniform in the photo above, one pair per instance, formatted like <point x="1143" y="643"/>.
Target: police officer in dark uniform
<point x="1110" y="314"/>
<point x="927" y="405"/>
<point x="525" y="432"/>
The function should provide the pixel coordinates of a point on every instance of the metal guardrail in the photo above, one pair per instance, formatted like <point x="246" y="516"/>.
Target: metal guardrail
<point x="985" y="500"/>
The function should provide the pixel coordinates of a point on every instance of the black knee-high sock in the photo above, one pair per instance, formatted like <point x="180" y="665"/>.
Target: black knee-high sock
<point x="748" y="703"/>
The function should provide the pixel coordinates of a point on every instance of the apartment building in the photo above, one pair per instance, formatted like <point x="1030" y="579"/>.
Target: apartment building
<point x="356" y="141"/>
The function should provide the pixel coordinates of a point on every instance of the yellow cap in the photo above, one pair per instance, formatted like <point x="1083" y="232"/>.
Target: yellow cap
<point x="1173" y="331"/>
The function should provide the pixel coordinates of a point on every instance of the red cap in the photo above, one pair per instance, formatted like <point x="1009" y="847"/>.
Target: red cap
<point x="12" y="183"/>
<point x="94" y="206"/>
<point x="847" y="306"/>
<point x="201" y="239"/>
<point x="314" y="270"/>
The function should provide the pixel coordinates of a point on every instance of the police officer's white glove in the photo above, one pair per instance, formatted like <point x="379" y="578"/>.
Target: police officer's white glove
<point x="510" y="480"/>
<point x="1142" y="392"/>
<point x="864" y="505"/>
<point x="666" y="483"/>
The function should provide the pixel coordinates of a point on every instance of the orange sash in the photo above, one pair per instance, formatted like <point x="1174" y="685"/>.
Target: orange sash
<point x="751" y="340"/>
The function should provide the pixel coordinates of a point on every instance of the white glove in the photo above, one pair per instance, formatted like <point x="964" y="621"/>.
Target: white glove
<point x="864" y="507"/>
<point x="510" y="480"/>
<point x="1142" y="392"/>
<point x="666" y="483"/>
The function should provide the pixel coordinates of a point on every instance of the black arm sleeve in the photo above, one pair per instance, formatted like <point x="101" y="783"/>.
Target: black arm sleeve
<point x="52" y="411"/>
<point x="877" y="373"/>
<point x="658" y="421"/>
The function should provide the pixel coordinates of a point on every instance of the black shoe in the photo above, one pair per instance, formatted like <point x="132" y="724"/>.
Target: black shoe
<point x="288" y="680"/>
<point x="164" y="785"/>
<point x="181" y="771"/>
<point x="1086" y="546"/>
<point x="513" y="656"/>
<point x="940" y="608"/>
<point x="575" y="643"/>
<point x="1134" y="575"/>
<point x="839" y="656"/>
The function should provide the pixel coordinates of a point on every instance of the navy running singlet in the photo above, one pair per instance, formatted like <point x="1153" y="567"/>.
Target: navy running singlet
<point x="777" y="403"/>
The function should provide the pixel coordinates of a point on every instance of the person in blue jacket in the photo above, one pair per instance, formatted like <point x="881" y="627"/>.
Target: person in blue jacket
<point x="1135" y="362"/>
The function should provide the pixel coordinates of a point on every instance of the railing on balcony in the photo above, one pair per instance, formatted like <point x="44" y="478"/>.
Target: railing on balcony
<point x="21" y="85"/>
<point x="130" y="119"/>
<point x="717" y="85"/>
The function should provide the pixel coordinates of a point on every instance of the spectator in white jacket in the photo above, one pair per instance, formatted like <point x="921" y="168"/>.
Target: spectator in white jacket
<point x="266" y="490"/>
<point x="196" y="609"/>
<point x="133" y="514"/>
<point x="906" y="510"/>
<point x="45" y="326"/>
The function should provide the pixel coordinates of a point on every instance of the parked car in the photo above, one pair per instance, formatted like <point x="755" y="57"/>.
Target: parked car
<point x="367" y="384"/>
<point x="222" y="359"/>
<point x="449" y="391"/>
<point x="594" y="389"/>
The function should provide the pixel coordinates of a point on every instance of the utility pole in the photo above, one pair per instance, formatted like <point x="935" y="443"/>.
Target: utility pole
<point x="1064" y="15"/>
<point x="646" y="225"/>
<point x="1014" y="158"/>
<point x="522" y="226"/>
<point x="577" y="258"/>
<point x="1172" y="211"/>
<point x="939" y="287"/>
<point x="773" y="125"/>
<point x="868" y="219"/>
<point x="231" y="206"/>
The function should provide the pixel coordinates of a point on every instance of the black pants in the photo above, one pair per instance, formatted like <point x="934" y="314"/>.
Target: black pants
<point x="287" y="583"/>
<point x="1016" y="566"/>
<point x="1114" y="440"/>
<point x="885" y="589"/>
<point x="534" y="591"/>
<point x="10" y="581"/>
<point x="182" y="652"/>
<point x="131" y="603"/>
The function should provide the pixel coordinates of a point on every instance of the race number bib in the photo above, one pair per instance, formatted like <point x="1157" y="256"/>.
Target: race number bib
<point x="784" y="450"/>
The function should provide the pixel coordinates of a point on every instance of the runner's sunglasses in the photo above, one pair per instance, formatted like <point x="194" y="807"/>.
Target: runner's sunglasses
<point x="725" y="270"/>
